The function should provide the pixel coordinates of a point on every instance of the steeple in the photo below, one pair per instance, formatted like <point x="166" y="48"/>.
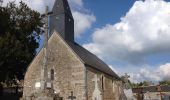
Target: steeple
<point x="62" y="20"/>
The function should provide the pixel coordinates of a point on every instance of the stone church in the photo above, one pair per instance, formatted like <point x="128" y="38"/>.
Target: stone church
<point x="72" y="72"/>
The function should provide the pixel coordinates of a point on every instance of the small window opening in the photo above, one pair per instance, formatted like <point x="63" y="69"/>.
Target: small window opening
<point x="102" y="82"/>
<point x="52" y="74"/>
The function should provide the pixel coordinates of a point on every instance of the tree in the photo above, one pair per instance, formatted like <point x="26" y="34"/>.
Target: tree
<point x="19" y="35"/>
<point x="164" y="82"/>
<point x="141" y="84"/>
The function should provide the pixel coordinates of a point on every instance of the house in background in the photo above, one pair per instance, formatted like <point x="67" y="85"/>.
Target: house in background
<point x="152" y="93"/>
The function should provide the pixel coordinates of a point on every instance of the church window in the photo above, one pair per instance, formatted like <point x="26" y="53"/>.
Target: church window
<point x="103" y="84"/>
<point x="52" y="74"/>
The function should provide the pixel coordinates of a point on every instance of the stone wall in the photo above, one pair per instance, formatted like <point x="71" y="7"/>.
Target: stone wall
<point x="118" y="90"/>
<point x="106" y="88"/>
<point x="69" y="74"/>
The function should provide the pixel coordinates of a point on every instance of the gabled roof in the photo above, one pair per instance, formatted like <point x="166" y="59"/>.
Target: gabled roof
<point x="92" y="60"/>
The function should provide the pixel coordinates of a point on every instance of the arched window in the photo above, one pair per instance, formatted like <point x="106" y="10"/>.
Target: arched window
<point x="52" y="74"/>
<point x="103" y="82"/>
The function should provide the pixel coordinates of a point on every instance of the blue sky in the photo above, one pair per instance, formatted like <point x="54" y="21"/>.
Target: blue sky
<point x="111" y="12"/>
<point x="131" y="36"/>
<point x="105" y="12"/>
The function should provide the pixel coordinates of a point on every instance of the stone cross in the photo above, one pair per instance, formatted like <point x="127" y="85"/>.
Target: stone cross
<point x="126" y="77"/>
<point x="44" y="67"/>
<point x="96" y="94"/>
<point x="96" y="81"/>
<point x="126" y="80"/>
<point x="72" y="97"/>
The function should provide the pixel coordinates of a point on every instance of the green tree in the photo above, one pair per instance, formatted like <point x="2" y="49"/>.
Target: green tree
<point x="164" y="82"/>
<point x="141" y="84"/>
<point x="19" y="33"/>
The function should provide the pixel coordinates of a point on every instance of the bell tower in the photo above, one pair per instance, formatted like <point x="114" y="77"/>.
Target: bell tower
<point x="62" y="20"/>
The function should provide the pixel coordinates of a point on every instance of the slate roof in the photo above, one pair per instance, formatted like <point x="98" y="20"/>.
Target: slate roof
<point x="92" y="60"/>
<point x="151" y="89"/>
<point x="60" y="7"/>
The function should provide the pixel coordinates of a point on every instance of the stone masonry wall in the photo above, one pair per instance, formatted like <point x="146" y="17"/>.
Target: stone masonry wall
<point x="68" y="70"/>
<point x="107" y="90"/>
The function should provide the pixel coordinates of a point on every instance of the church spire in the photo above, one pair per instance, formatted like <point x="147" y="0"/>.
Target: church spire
<point x="62" y="20"/>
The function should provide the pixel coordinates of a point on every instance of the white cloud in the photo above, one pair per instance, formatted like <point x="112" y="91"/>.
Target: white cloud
<point x="38" y="5"/>
<point x="76" y="2"/>
<point x="164" y="71"/>
<point x="113" y="69"/>
<point x="143" y="31"/>
<point x="83" y="20"/>
<point x="154" y="74"/>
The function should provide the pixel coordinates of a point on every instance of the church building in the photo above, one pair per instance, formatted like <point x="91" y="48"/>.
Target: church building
<point x="71" y="72"/>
